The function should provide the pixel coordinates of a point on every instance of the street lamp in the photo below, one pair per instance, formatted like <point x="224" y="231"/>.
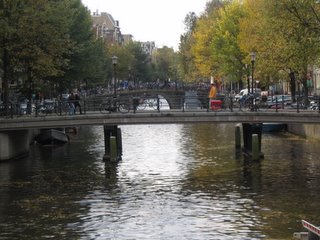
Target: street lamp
<point x="253" y="59"/>
<point x="114" y="63"/>
<point x="247" y="76"/>
<point x="257" y="84"/>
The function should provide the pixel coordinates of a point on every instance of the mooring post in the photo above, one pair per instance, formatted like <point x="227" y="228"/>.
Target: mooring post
<point x="112" y="131"/>
<point x="238" y="137"/>
<point x="255" y="147"/>
<point x="247" y="137"/>
<point x="107" y="133"/>
<point x="113" y="149"/>
<point x="119" y="143"/>
<point x="248" y="131"/>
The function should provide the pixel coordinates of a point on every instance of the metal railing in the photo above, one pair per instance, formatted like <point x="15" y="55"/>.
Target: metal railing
<point x="143" y="103"/>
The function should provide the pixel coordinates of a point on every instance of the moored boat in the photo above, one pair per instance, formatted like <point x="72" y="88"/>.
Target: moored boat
<point x="52" y="137"/>
<point x="273" y="127"/>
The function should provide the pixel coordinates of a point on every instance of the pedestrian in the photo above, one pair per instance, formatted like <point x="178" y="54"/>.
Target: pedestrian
<point x="77" y="103"/>
<point x="212" y="92"/>
<point x="71" y="101"/>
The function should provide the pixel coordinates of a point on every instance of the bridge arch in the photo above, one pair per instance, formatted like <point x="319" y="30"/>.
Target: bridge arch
<point x="175" y="98"/>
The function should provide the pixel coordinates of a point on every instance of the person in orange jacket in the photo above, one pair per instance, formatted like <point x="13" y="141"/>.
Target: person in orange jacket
<point x="213" y="91"/>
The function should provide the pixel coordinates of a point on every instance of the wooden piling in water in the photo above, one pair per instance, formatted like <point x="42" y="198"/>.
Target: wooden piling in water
<point x="255" y="147"/>
<point x="238" y="137"/>
<point x="113" y="149"/>
<point x="112" y="133"/>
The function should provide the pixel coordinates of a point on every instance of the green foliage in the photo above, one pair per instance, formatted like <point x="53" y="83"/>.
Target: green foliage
<point x="187" y="66"/>
<point x="226" y="54"/>
<point x="166" y="61"/>
<point x="44" y="42"/>
<point x="283" y="33"/>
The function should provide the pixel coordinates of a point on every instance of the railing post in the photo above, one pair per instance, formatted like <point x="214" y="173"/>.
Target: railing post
<point x="11" y="109"/>
<point x="60" y="107"/>
<point x="282" y="102"/>
<point x="158" y="103"/>
<point x="183" y="102"/>
<point x="319" y="104"/>
<point x="36" y="108"/>
<point x="298" y="103"/>
<point x="276" y="104"/>
<point x="135" y="103"/>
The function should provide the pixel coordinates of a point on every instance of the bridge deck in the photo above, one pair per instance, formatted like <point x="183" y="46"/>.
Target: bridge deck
<point x="163" y="117"/>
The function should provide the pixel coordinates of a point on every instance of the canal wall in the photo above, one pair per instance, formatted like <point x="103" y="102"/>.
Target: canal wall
<point x="311" y="131"/>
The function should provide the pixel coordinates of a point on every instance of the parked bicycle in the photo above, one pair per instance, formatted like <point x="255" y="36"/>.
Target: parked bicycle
<point x="149" y="103"/>
<point x="250" y="104"/>
<point x="60" y="108"/>
<point x="40" y="110"/>
<point x="37" y="109"/>
<point x="28" y="109"/>
<point x="114" y="104"/>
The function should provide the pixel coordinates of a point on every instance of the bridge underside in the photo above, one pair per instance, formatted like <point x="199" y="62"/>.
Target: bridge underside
<point x="175" y="98"/>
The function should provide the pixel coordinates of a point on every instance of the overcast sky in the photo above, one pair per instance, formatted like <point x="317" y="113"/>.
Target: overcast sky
<point x="150" y="20"/>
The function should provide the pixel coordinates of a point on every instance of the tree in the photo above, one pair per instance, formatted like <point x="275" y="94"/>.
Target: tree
<point x="8" y="17"/>
<point x="166" y="62"/>
<point x="282" y="41"/>
<point x="140" y="62"/>
<point x="36" y="38"/>
<point x="195" y="43"/>
<point x="227" y="57"/>
<point x="87" y="59"/>
<point x="187" y="67"/>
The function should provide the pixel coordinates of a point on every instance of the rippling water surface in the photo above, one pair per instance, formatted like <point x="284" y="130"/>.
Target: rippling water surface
<point x="174" y="182"/>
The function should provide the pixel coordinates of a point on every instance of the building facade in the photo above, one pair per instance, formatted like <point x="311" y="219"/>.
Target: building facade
<point x="104" y="26"/>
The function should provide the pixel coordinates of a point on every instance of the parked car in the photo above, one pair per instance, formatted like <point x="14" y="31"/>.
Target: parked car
<point x="279" y="101"/>
<point x="244" y="94"/>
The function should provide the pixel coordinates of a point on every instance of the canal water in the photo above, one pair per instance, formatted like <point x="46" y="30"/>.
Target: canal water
<point x="174" y="182"/>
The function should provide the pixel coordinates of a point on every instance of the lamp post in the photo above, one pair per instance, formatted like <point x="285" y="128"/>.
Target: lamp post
<point x="114" y="63"/>
<point x="253" y="59"/>
<point x="256" y="85"/>
<point x="247" y="76"/>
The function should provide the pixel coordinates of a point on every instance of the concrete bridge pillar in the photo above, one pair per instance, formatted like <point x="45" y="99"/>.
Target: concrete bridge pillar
<point x="112" y="143"/>
<point x="14" y="144"/>
<point x="252" y="131"/>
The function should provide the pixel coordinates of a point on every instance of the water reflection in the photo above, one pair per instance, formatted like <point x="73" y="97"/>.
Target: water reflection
<point x="174" y="182"/>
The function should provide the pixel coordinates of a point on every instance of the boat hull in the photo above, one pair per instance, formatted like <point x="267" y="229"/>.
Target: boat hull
<point x="273" y="127"/>
<point x="52" y="137"/>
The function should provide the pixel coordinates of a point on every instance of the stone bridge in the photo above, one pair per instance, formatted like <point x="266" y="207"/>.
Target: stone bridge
<point x="175" y="98"/>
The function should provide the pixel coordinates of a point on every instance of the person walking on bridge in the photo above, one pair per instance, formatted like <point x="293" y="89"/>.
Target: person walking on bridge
<point x="213" y="91"/>
<point x="77" y="102"/>
<point x="212" y="94"/>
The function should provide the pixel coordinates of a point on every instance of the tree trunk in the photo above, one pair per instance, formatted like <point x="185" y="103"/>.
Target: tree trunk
<point x="292" y="85"/>
<point x="5" y="80"/>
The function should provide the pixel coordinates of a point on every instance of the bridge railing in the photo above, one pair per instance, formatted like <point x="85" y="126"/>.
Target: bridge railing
<point x="191" y="101"/>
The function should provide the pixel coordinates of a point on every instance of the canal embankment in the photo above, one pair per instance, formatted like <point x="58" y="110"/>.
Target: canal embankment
<point x="311" y="131"/>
